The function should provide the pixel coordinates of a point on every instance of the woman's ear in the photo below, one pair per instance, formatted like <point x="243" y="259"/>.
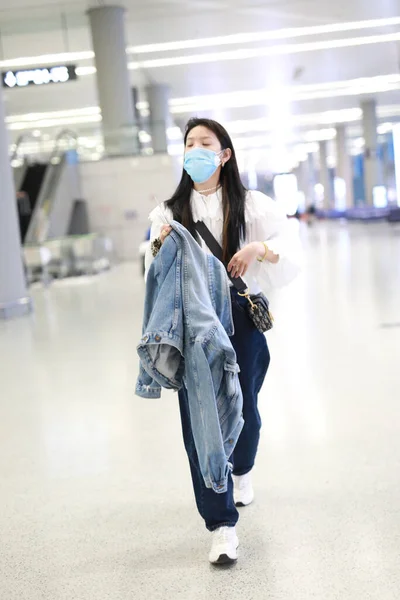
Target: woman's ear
<point x="226" y="154"/>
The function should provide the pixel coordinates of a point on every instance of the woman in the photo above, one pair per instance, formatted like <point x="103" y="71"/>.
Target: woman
<point x="251" y="229"/>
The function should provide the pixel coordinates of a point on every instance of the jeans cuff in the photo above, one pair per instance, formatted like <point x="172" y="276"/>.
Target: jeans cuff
<point x="227" y="524"/>
<point x="241" y="472"/>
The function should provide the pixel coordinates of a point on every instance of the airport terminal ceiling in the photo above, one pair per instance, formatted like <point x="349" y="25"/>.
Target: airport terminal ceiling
<point x="239" y="61"/>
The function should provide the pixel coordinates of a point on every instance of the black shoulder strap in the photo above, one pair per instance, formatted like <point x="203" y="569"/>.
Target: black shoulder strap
<point x="216" y="249"/>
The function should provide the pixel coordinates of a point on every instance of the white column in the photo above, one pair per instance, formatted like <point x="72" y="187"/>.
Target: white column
<point x="324" y="175"/>
<point x="343" y="164"/>
<point x="14" y="300"/>
<point x="302" y="175"/>
<point x="371" y="163"/>
<point x="396" y="144"/>
<point x="160" y="118"/>
<point x="311" y="180"/>
<point x="113" y="83"/>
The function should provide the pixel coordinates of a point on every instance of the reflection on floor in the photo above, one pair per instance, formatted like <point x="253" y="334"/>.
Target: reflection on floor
<point x="96" y="501"/>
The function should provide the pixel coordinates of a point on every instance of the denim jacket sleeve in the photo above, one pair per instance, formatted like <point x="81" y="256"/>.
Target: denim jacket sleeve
<point x="205" y="423"/>
<point x="146" y="387"/>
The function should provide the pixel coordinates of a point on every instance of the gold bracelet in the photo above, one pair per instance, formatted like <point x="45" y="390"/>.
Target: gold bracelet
<point x="265" y="254"/>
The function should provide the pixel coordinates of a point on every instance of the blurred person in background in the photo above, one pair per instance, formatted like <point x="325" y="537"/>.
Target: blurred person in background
<point x="253" y="232"/>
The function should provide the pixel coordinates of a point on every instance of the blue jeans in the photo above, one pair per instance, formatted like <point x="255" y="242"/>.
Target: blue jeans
<point x="253" y="357"/>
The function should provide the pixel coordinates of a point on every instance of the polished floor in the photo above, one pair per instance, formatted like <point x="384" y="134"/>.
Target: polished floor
<point x="95" y="494"/>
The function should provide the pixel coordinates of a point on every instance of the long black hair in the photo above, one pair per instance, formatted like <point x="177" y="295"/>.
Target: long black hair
<point x="233" y="194"/>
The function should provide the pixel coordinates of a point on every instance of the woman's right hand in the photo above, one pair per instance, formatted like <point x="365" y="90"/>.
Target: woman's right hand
<point x="165" y="231"/>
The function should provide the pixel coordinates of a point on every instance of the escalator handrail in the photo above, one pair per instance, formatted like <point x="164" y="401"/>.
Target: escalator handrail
<point x="57" y="151"/>
<point x="51" y="178"/>
<point x="20" y="140"/>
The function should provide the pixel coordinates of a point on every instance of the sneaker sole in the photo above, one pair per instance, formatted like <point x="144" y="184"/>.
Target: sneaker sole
<point x="224" y="559"/>
<point x="241" y="504"/>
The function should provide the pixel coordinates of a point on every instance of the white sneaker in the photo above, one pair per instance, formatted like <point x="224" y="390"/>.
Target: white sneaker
<point x="224" y="546"/>
<point x="243" y="493"/>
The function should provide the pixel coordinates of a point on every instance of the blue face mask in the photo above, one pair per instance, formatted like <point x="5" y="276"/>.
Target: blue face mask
<point x="201" y="164"/>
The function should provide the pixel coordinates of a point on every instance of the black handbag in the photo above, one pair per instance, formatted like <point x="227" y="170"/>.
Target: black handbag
<point x="258" y="305"/>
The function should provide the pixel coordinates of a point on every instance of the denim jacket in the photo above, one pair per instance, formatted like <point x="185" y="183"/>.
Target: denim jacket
<point x="186" y="327"/>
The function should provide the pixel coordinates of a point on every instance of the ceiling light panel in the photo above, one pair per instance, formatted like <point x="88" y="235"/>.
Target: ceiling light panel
<point x="57" y="114"/>
<point x="248" y="98"/>
<point x="236" y="39"/>
<point x="43" y="123"/>
<point x="262" y="36"/>
<point x="45" y="59"/>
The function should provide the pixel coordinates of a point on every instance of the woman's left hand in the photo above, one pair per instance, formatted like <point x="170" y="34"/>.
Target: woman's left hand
<point x="242" y="260"/>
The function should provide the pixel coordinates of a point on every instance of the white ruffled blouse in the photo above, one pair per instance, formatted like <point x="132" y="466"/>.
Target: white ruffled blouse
<point x="266" y="221"/>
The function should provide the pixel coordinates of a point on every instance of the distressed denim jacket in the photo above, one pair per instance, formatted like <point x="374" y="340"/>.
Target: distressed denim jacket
<point x="186" y="327"/>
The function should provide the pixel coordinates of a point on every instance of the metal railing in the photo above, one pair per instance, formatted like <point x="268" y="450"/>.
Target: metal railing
<point x="91" y="143"/>
<point x="67" y="257"/>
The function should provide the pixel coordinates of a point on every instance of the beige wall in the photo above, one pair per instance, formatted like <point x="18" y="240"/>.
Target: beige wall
<point x="122" y="191"/>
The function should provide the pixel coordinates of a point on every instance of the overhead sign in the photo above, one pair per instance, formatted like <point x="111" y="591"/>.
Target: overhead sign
<point x="39" y="76"/>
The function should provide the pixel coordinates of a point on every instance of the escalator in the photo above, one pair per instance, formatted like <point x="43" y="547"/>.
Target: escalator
<point x="48" y="189"/>
<point x="59" y="191"/>
<point x="28" y="195"/>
